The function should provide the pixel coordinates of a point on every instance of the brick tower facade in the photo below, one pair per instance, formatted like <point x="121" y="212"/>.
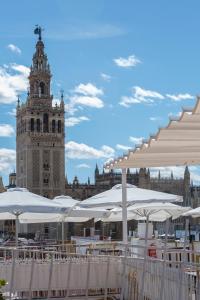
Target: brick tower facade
<point x="40" y="133"/>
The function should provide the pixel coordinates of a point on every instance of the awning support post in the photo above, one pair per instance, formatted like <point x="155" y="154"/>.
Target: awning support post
<point x="124" y="207"/>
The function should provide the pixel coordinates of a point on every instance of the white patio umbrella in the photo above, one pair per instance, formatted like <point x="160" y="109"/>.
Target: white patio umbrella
<point x="72" y="213"/>
<point x="18" y="201"/>
<point x="157" y="211"/>
<point x="194" y="213"/>
<point x="113" y="198"/>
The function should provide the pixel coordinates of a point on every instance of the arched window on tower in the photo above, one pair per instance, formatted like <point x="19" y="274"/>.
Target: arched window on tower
<point x="41" y="89"/>
<point x="45" y="123"/>
<point x="38" y="125"/>
<point x="59" y="126"/>
<point x="53" y="125"/>
<point x="32" y="124"/>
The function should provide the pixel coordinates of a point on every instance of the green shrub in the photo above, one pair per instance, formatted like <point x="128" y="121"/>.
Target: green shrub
<point x="2" y="283"/>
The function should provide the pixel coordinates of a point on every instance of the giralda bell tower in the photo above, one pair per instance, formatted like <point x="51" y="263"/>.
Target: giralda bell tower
<point x="40" y="132"/>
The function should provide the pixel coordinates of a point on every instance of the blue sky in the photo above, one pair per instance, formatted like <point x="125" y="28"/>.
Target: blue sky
<point x="124" y="66"/>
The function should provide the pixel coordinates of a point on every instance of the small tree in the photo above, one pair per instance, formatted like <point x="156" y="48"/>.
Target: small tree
<point x="2" y="283"/>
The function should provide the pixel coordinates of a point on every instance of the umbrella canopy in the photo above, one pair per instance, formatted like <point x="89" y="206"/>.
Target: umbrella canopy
<point x="77" y="211"/>
<point x="157" y="211"/>
<point x="29" y="218"/>
<point x="66" y="201"/>
<point x="17" y="201"/>
<point x="194" y="213"/>
<point x="71" y="212"/>
<point x="113" y="197"/>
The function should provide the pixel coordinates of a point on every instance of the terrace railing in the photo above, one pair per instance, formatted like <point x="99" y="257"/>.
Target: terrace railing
<point x="104" y="271"/>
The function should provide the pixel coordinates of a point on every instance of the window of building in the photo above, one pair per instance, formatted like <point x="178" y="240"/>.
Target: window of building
<point x="45" y="123"/>
<point x="41" y="88"/>
<point x="53" y="125"/>
<point x="32" y="124"/>
<point x="46" y="166"/>
<point x="38" y="125"/>
<point x="59" y="126"/>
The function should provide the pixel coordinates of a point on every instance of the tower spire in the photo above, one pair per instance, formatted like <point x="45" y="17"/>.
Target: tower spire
<point x="40" y="75"/>
<point x="62" y="104"/>
<point x="18" y="101"/>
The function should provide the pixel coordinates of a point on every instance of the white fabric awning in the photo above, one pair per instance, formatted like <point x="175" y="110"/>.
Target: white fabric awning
<point x="176" y="144"/>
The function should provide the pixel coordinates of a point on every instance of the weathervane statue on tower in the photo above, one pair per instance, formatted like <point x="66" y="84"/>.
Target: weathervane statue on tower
<point x="38" y="30"/>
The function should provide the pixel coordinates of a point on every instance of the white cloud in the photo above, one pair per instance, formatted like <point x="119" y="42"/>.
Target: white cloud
<point x="84" y="95"/>
<point x="83" y="166"/>
<point x="55" y="102"/>
<point x="135" y="140"/>
<point x="70" y="109"/>
<point x="6" y="130"/>
<point x="21" y="69"/>
<point x="180" y="97"/>
<point x="13" y="80"/>
<point x="178" y="172"/>
<point x="140" y="95"/>
<point x="108" y="161"/>
<point x="12" y="112"/>
<point x="7" y="160"/>
<point x="130" y="61"/>
<point x="88" y="89"/>
<point x="127" y="101"/>
<point x="105" y="77"/>
<point x="154" y="119"/>
<point x="178" y="114"/>
<point x="72" y="121"/>
<point x="87" y="101"/>
<point x="14" y="48"/>
<point x="122" y="147"/>
<point x="82" y="151"/>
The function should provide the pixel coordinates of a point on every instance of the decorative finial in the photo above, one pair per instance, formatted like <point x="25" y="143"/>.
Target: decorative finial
<point x="62" y="94"/>
<point x="18" y="101"/>
<point x="38" y="30"/>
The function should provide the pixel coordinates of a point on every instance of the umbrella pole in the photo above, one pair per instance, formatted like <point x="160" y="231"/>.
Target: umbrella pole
<point x="164" y="258"/>
<point x="145" y="258"/>
<point x="63" y="231"/>
<point x="124" y="207"/>
<point x="16" y="229"/>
